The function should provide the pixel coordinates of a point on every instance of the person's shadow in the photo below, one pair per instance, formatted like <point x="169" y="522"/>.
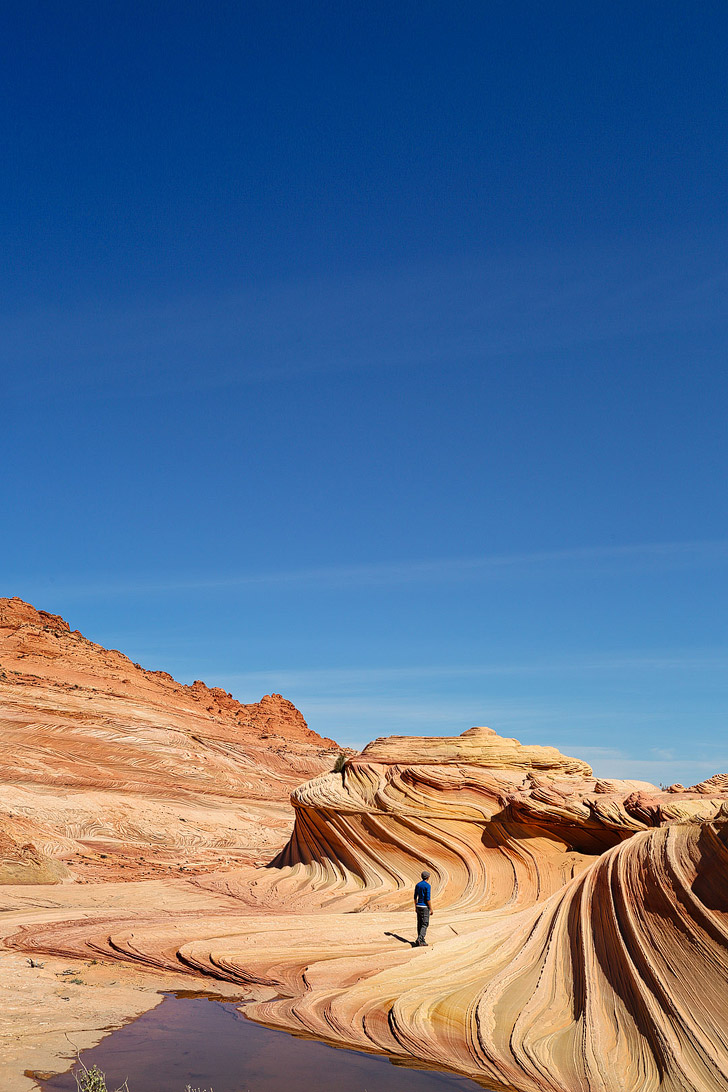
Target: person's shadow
<point x="402" y="939"/>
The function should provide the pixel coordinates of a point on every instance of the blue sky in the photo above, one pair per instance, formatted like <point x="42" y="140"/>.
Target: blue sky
<point x="377" y="357"/>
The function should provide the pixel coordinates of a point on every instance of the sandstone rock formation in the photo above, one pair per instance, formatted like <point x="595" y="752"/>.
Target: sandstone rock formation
<point x="24" y="863"/>
<point x="116" y="785"/>
<point x="618" y="981"/>
<point x="122" y="772"/>
<point x="499" y="824"/>
<point x="580" y="935"/>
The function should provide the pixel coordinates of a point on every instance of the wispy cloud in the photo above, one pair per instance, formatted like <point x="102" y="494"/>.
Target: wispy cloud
<point x="455" y="312"/>
<point x="664" y="768"/>
<point x="355" y="679"/>
<point x="582" y="561"/>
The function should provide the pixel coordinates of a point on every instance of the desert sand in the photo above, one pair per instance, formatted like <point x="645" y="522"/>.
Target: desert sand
<point x="580" y="934"/>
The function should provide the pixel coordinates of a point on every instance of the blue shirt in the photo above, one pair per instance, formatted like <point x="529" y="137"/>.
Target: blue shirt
<point x="422" y="893"/>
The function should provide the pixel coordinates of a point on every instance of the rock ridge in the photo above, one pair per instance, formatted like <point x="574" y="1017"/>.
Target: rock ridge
<point x="101" y="759"/>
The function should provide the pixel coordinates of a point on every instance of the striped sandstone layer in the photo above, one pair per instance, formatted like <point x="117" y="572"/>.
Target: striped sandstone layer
<point x="117" y="785"/>
<point x="618" y="981"/>
<point x="109" y="771"/>
<point x="579" y="943"/>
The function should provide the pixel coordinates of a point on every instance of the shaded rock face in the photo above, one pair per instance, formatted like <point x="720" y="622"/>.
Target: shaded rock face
<point x="123" y="772"/>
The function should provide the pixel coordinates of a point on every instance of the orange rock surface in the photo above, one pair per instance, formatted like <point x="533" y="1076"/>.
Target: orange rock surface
<point x="113" y="772"/>
<point x="580" y="935"/>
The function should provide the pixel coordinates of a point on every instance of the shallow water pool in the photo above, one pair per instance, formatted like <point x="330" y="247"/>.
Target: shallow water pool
<point x="209" y="1044"/>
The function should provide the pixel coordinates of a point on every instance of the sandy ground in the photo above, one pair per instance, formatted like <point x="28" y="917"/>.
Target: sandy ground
<point x="64" y="1005"/>
<point x="50" y="1012"/>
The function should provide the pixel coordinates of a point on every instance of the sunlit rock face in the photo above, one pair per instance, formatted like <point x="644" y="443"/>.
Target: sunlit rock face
<point x="616" y="982"/>
<point x="497" y="823"/>
<point x="603" y="964"/>
<point x="580" y="935"/>
<point x="579" y="941"/>
<point x="23" y="863"/>
<point x="113" y="771"/>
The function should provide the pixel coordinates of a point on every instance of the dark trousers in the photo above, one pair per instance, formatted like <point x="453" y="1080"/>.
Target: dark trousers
<point x="423" y="920"/>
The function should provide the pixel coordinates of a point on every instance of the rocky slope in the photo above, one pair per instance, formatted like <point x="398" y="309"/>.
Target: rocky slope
<point x="111" y="771"/>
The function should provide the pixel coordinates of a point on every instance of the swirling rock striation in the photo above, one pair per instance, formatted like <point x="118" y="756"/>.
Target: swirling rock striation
<point x="580" y="939"/>
<point x="497" y="823"/>
<point x="618" y="981"/>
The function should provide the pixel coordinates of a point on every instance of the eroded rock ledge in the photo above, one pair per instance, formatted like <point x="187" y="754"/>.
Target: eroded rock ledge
<point x="110" y="771"/>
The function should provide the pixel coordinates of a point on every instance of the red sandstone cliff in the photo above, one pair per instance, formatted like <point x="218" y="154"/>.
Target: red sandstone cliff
<point x="110" y="767"/>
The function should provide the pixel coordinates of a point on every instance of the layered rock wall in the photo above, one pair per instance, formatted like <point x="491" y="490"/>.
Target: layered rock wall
<point x="124" y="773"/>
<point x="580" y="935"/>
<point x="497" y="823"/>
<point x="616" y="982"/>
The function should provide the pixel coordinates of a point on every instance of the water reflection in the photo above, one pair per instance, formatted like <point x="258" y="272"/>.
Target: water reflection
<point x="210" y="1045"/>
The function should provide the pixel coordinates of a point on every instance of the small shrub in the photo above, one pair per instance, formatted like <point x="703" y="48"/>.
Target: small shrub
<point x="338" y="767"/>
<point x="93" y="1080"/>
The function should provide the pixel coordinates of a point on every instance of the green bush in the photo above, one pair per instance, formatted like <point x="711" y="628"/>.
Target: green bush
<point x="93" y="1080"/>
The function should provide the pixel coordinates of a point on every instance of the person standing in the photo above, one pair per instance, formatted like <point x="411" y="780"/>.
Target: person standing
<point x="423" y="908"/>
